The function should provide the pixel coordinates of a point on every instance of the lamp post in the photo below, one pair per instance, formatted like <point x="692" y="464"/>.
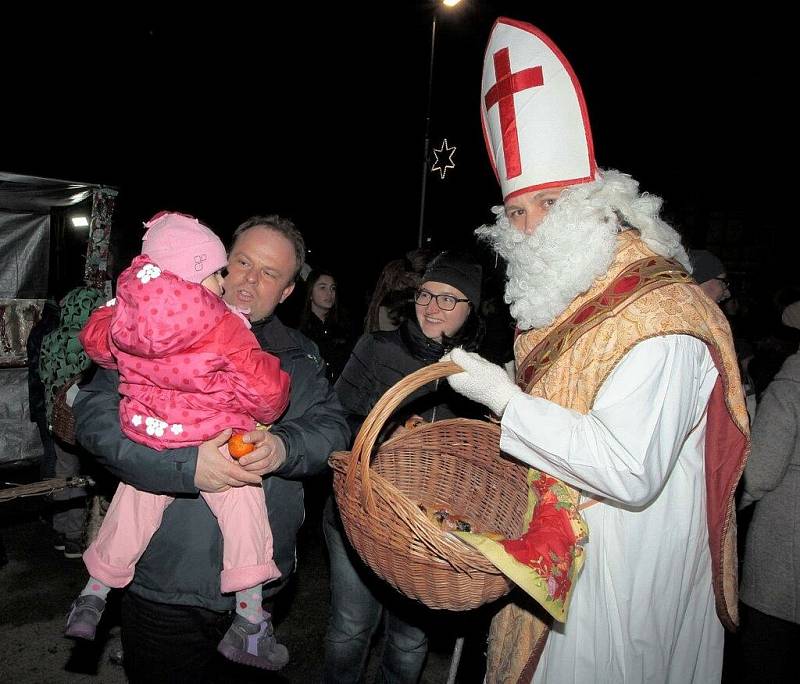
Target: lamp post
<point x="426" y="152"/>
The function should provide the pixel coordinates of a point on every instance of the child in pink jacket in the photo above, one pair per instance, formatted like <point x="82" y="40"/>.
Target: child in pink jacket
<point x="189" y="368"/>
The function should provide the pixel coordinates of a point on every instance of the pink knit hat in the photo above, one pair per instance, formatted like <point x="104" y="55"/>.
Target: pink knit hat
<point x="184" y="246"/>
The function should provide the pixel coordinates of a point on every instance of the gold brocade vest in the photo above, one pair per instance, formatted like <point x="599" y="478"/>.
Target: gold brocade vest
<point x="642" y="296"/>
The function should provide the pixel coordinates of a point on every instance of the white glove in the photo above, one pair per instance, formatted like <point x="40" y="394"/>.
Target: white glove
<point x="481" y="381"/>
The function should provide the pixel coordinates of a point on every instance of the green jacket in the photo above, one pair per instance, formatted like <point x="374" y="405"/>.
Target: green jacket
<point x="62" y="358"/>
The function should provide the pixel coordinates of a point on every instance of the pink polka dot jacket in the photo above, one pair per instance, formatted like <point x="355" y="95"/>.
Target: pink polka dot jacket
<point x="189" y="366"/>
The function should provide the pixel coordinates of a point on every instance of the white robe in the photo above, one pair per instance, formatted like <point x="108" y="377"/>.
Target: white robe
<point x="643" y="607"/>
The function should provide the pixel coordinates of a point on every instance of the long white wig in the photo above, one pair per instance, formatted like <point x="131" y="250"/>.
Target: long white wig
<point x="575" y="244"/>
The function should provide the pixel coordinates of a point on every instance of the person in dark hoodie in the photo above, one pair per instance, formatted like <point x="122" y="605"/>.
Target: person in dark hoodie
<point x="36" y="389"/>
<point x="321" y="322"/>
<point x="446" y="306"/>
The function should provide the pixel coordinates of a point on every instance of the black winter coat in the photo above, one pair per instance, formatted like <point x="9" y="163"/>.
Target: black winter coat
<point x="45" y="325"/>
<point x="333" y="341"/>
<point x="182" y="564"/>
<point x="381" y="359"/>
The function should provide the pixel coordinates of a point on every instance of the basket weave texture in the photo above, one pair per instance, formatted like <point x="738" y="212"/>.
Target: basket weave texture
<point x="454" y="463"/>
<point x="63" y="420"/>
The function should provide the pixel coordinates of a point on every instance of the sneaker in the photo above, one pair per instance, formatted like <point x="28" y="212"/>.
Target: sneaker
<point x="72" y="549"/>
<point x="84" y="615"/>
<point x="253" y="645"/>
<point x="58" y="544"/>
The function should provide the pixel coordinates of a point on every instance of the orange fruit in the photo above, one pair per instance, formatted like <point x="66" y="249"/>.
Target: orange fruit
<point x="238" y="448"/>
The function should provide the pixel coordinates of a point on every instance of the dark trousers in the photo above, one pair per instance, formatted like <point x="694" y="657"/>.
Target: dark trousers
<point x="768" y="645"/>
<point x="69" y="505"/>
<point x="358" y="600"/>
<point x="169" y="643"/>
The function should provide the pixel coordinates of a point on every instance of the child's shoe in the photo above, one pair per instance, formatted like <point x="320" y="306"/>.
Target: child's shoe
<point x="84" y="616"/>
<point x="253" y="644"/>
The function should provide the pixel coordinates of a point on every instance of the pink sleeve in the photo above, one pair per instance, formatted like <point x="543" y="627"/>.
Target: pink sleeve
<point x="255" y="376"/>
<point x="94" y="337"/>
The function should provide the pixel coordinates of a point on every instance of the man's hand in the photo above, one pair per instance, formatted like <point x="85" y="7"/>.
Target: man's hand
<point x="481" y="381"/>
<point x="215" y="473"/>
<point x="268" y="456"/>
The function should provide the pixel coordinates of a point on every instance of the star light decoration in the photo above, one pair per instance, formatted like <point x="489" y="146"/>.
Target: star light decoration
<point x="444" y="159"/>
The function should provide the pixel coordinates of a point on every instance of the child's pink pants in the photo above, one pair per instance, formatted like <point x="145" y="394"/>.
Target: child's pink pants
<point x="134" y="516"/>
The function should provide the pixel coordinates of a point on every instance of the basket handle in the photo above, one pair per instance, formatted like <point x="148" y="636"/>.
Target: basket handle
<point x="380" y="413"/>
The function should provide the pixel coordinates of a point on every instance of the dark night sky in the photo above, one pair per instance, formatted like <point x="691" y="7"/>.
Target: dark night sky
<point x="297" y="111"/>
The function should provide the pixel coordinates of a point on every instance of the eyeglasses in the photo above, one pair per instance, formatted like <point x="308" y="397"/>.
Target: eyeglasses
<point x="445" y="302"/>
<point x="725" y="282"/>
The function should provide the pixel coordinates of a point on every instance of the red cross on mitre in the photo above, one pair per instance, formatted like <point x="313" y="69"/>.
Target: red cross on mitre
<point x="534" y="117"/>
<point x="502" y="93"/>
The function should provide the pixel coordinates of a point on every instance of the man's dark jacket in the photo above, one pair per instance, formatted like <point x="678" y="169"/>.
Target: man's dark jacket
<point x="182" y="564"/>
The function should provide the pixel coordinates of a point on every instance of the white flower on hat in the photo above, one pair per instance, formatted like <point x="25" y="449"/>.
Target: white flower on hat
<point x="136" y="420"/>
<point x="176" y="428"/>
<point x="147" y="273"/>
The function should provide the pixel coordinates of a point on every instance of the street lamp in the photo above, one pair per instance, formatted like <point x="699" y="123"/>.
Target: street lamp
<point x="446" y="3"/>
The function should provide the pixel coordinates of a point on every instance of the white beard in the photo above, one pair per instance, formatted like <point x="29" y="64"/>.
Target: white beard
<point x="574" y="245"/>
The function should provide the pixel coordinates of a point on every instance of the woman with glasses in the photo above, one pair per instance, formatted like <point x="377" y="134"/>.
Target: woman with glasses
<point x="446" y="316"/>
<point x="709" y="272"/>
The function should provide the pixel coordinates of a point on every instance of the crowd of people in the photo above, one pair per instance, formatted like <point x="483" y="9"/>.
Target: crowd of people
<point x="618" y="383"/>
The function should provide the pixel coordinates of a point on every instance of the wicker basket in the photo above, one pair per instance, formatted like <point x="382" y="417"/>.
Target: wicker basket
<point x="453" y="462"/>
<point x="63" y="423"/>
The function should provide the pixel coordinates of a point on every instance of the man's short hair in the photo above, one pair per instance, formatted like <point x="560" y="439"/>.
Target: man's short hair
<point x="280" y="225"/>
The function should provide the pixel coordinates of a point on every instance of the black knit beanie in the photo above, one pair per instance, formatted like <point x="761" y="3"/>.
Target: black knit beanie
<point x="459" y="271"/>
<point x="705" y="265"/>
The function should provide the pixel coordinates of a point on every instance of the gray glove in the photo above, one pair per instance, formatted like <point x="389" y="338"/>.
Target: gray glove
<point x="481" y="381"/>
